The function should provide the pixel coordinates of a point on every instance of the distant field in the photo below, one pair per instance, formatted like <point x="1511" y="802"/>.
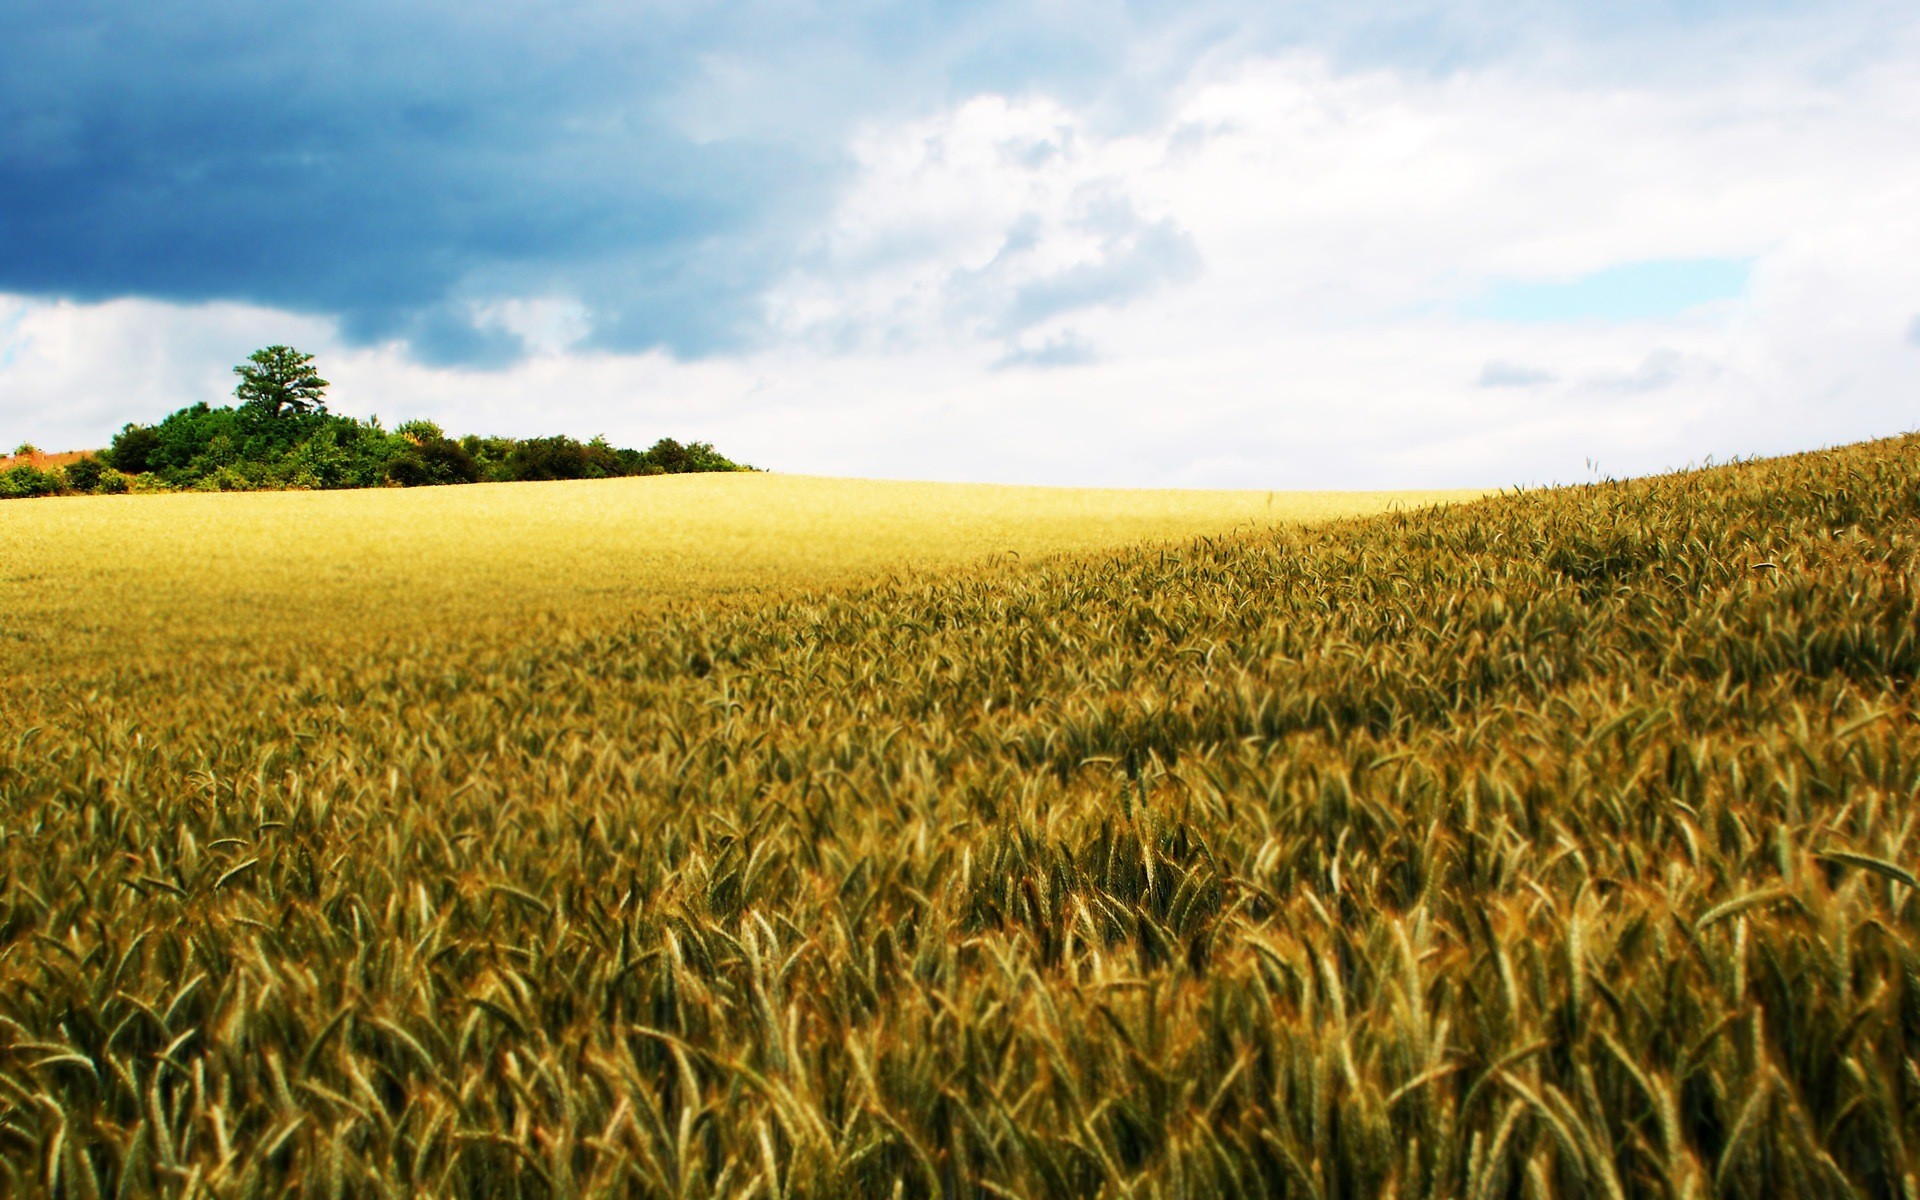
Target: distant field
<point x="117" y="579"/>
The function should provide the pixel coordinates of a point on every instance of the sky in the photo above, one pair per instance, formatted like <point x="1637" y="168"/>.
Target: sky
<point x="1216" y="243"/>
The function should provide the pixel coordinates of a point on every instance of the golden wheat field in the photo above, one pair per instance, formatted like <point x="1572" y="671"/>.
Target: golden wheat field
<point x="1557" y="844"/>
<point x="107" y="580"/>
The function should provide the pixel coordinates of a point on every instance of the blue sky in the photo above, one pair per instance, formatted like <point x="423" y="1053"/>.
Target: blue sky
<point x="1638" y="291"/>
<point x="1208" y="243"/>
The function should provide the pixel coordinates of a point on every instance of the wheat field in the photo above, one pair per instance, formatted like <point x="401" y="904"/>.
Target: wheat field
<point x="1558" y="844"/>
<point x="111" y="580"/>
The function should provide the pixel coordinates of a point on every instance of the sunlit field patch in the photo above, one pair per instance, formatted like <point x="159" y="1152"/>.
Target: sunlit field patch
<point x="110" y="580"/>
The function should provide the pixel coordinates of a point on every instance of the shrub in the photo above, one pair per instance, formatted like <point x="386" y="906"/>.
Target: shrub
<point x="407" y="470"/>
<point x="669" y="457"/>
<point x="490" y="452"/>
<point x="433" y="459"/>
<point x="449" y="462"/>
<point x="225" y="479"/>
<point x="134" y="448"/>
<point x="84" y="474"/>
<point x="25" y="481"/>
<point x="547" y="458"/>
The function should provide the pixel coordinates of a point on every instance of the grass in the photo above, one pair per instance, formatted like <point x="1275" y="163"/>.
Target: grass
<point x="1560" y="844"/>
<point x="92" y="582"/>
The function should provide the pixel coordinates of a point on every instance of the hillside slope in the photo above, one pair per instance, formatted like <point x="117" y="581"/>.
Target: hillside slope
<point x="1558" y="844"/>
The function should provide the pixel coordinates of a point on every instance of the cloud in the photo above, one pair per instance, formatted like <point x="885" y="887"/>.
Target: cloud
<point x="1913" y="330"/>
<point x="1500" y="374"/>
<point x="1657" y="370"/>
<point x="393" y="166"/>
<point x="1065" y="349"/>
<point x="1135" y="258"/>
<point x="72" y="374"/>
<point x="955" y="228"/>
<point x="846" y="241"/>
<point x="542" y="324"/>
<point x="400" y="166"/>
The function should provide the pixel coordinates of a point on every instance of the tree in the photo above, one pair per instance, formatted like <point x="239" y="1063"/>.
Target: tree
<point x="134" y="448"/>
<point x="278" y="380"/>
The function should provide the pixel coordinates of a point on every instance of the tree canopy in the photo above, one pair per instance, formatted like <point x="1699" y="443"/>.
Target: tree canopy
<point x="280" y="379"/>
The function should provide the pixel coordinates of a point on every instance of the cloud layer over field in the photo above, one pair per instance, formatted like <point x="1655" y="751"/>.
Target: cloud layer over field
<point x="1195" y="244"/>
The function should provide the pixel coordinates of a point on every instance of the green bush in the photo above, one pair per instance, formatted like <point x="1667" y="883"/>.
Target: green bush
<point x="84" y="475"/>
<point x="553" y="458"/>
<point x="669" y="457"/>
<point x="225" y="479"/>
<point x="407" y="470"/>
<point x="133" y="448"/>
<point x="428" y="457"/>
<point x="24" y="481"/>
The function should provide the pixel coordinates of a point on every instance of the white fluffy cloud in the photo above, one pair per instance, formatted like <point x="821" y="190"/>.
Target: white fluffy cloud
<point x="1267" y="287"/>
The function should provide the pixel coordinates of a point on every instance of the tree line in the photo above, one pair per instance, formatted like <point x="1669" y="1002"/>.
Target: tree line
<point x="279" y="435"/>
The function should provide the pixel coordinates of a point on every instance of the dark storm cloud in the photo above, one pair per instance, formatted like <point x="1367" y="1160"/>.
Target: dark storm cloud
<point x="396" y="165"/>
<point x="388" y="165"/>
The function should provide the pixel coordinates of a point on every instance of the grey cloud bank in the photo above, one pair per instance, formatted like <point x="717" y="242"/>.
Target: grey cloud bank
<point x="391" y="165"/>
